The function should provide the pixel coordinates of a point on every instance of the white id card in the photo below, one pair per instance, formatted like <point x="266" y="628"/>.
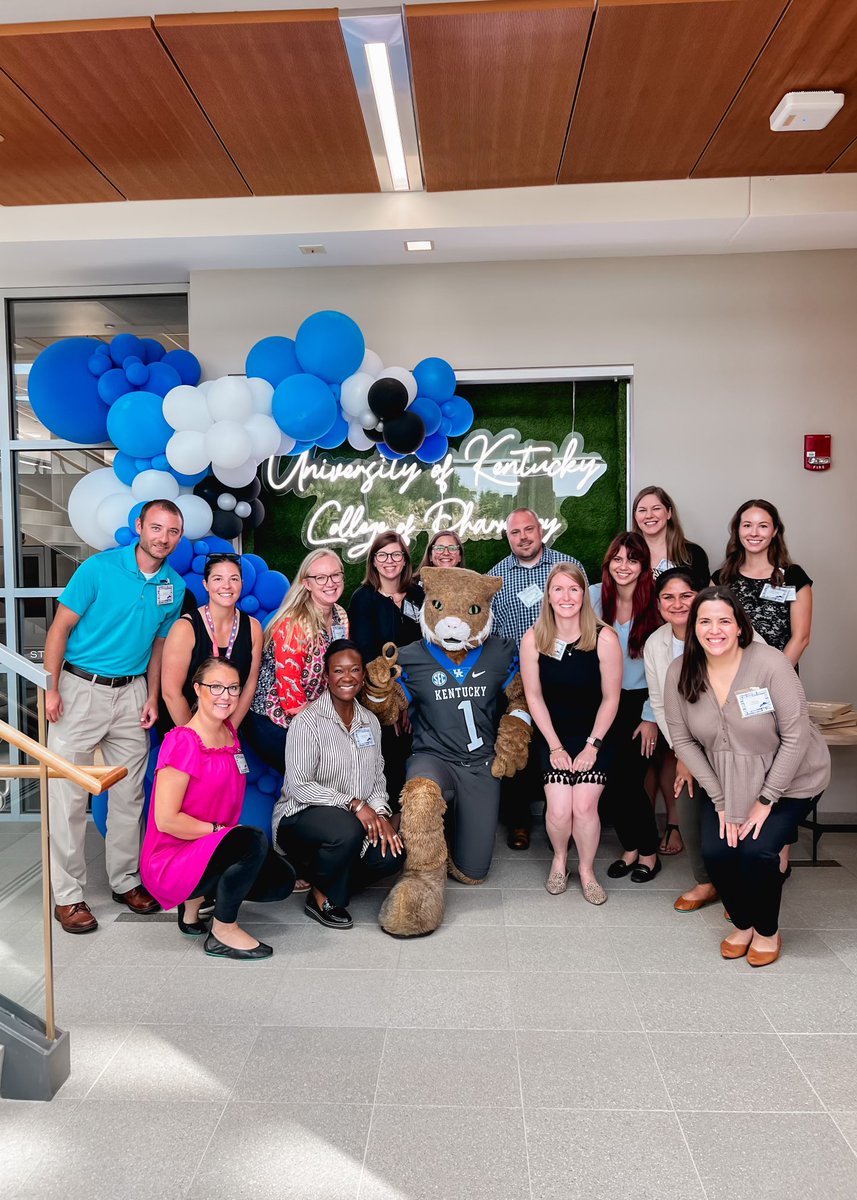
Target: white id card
<point x="364" y="736"/>
<point x="411" y="610"/>
<point x="241" y="764"/>
<point x="754" y="702"/>
<point x="559" y="648"/>
<point x="337" y="632"/>
<point x="165" y="593"/>
<point x="530" y="595"/>
<point x="781" y="595"/>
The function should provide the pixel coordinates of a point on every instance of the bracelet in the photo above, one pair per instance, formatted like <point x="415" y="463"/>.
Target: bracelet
<point x="215" y="828"/>
<point x="356" y="810"/>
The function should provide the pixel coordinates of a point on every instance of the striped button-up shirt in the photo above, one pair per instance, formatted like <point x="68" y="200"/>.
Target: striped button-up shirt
<point x="512" y="615"/>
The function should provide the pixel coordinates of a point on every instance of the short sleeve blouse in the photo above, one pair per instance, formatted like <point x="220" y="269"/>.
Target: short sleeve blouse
<point x="770" y="618"/>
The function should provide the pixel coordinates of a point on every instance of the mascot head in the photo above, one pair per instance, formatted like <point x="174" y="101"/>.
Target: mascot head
<point x="457" y="610"/>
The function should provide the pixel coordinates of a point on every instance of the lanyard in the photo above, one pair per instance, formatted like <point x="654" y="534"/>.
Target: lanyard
<point x="233" y="635"/>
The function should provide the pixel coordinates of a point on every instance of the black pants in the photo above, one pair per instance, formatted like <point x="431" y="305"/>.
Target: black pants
<point x="517" y="791"/>
<point x="244" y="867"/>
<point x="324" y="843"/>
<point x="396" y="749"/>
<point x="747" y="876"/>
<point x="266" y="738"/>
<point x="625" y="801"/>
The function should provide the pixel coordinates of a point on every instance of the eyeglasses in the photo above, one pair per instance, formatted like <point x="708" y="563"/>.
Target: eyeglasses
<point x="440" y="548"/>
<point x="395" y="556"/>
<point x="324" y="580"/>
<point x="217" y="689"/>
<point x="220" y="556"/>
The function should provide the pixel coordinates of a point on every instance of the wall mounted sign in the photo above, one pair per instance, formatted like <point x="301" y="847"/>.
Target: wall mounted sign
<point x="470" y="491"/>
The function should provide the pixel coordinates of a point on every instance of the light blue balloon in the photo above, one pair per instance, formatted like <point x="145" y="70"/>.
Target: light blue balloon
<point x="273" y="359"/>
<point x="435" y="379"/>
<point x="135" y="423"/>
<point x="335" y="436"/>
<point x="124" y="468"/>
<point x="330" y="345"/>
<point x="304" y="407"/>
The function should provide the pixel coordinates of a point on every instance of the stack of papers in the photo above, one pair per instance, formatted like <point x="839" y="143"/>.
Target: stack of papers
<point x="832" y="714"/>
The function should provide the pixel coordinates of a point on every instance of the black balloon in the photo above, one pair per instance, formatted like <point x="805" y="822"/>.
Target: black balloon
<point x="250" y="491"/>
<point x="388" y="397"/>
<point x="405" y="434"/>
<point x="257" y="514"/>
<point x="376" y="435"/>
<point x="209" y="489"/>
<point x="226" y="524"/>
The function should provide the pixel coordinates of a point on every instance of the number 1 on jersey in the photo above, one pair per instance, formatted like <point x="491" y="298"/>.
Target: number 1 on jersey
<point x="475" y="740"/>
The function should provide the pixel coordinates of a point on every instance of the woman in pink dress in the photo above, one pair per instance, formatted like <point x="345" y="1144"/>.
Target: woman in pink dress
<point x="194" y="845"/>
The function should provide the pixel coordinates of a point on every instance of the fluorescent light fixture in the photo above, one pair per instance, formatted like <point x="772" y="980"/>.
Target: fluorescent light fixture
<point x="419" y="245"/>
<point x="382" y="86"/>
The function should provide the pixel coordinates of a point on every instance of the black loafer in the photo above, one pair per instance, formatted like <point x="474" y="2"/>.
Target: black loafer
<point x="331" y="915"/>
<point x="217" y="949"/>
<point x="192" y="928"/>
<point x="619" y="869"/>
<point x="643" y="874"/>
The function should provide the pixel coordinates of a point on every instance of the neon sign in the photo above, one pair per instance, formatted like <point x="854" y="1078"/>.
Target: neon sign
<point x="471" y="491"/>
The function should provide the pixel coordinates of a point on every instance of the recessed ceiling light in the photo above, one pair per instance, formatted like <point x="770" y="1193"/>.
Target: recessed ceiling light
<point x="312" y="249"/>
<point x="419" y="245"/>
<point x="109" y="325"/>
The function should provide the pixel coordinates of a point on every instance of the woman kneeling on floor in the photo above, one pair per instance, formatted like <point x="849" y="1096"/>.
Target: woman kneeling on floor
<point x="194" y="845"/>
<point x="332" y="819"/>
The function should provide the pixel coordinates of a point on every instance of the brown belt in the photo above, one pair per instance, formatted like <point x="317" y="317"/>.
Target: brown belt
<point x="112" y="681"/>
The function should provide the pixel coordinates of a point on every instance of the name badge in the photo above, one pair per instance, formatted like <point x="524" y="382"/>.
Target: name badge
<point x="780" y="595"/>
<point x="663" y="565"/>
<point x="364" y="736"/>
<point x="241" y="764"/>
<point x="754" y="702"/>
<point x="411" y="610"/>
<point x="530" y="595"/>
<point x="165" y="593"/>
<point x="337" y="632"/>
<point x="559" y="648"/>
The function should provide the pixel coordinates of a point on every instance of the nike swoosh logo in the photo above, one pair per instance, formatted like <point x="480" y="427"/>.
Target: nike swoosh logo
<point x="476" y="674"/>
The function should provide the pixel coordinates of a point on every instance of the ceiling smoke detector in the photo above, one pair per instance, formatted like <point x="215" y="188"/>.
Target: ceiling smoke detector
<point x="800" y="111"/>
<point x="312" y="249"/>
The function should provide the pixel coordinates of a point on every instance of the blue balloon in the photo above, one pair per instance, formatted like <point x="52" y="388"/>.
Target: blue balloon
<point x="336" y="388"/>
<point x="136" y="424"/>
<point x="335" y="436"/>
<point x="186" y="364"/>
<point x="273" y="359"/>
<point x="162" y="378"/>
<point x="433" y="449"/>
<point x="124" y="468"/>
<point x="134" y="516"/>
<point x="143" y="464"/>
<point x="459" y="413"/>
<point x="304" y="408"/>
<point x="153" y="351"/>
<point x="270" y="589"/>
<point x="256" y="562"/>
<point x="248" y="604"/>
<point x="430" y="413"/>
<point x="188" y="480"/>
<point x="123" y="345"/>
<point x="181" y="557"/>
<point x="248" y="576"/>
<point x="98" y="364"/>
<point x="99" y="812"/>
<point x="270" y="784"/>
<point x="213" y="542"/>
<point x="124" y="536"/>
<point x="258" y="810"/>
<point x="136" y="372"/>
<point x="113" y="384"/>
<point x="435" y="379"/>
<point x="446" y="427"/>
<point x="330" y="345"/>
<point x="194" y="584"/>
<point x="64" y="393"/>
<point x="200" y="546"/>
<point x="103" y="348"/>
<point x="160" y="462"/>
<point x="198" y="564"/>
<point x="298" y="448"/>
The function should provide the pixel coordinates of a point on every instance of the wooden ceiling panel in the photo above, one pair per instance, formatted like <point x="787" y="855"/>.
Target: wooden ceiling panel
<point x="278" y="88"/>
<point x="658" y="77"/>
<point x="113" y="90"/>
<point x="494" y="84"/>
<point x="38" y="164"/>
<point x="813" y="48"/>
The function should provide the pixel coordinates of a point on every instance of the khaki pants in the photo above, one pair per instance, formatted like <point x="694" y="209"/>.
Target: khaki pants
<point x="98" y="716"/>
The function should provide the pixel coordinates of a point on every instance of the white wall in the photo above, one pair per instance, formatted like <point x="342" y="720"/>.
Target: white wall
<point x="735" y="358"/>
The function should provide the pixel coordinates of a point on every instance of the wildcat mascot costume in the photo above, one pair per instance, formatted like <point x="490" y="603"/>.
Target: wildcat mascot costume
<point x="454" y="681"/>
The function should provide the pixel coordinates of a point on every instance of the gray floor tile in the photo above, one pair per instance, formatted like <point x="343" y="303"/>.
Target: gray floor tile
<point x="284" y="1152"/>
<point x="789" y="1155"/>
<point x="609" y="1156"/>
<point x="26" y="1127"/>
<point x="829" y="1062"/>
<point x="338" y="1066"/>
<point x="521" y="872"/>
<point x="805" y="951"/>
<point x="213" y="993"/>
<point x="819" y="879"/>
<point x="326" y="997"/>
<point x="92" y="1047"/>
<point x="433" y="1066"/>
<point x="642" y="907"/>
<point x="562" y="1000"/>
<point x="807" y="1003"/>
<point x="731" y="1072"/>
<point x="126" y="944"/>
<point x="589" y="1070"/>
<point x="113" y="994"/>
<point x="451" y="1153"/>
<point x="697" y="1003"/>
<point x="450" y="1000"/>
<point x="541" y="910"/>
<point x="833" y="909"/>
<point x="473" y="906"/>
<point x="456" y="948"/>
<point x="843" y="943"/>
<point x="364" y="947"/>
<point x="532" y="949"/>
<point x="847" y="1122"/>
<point x="176" y="1062"/>
<point x="680" y="949"/>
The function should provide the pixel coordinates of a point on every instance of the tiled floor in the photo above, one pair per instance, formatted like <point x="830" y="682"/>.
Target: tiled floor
<point x="534" y="1048"/>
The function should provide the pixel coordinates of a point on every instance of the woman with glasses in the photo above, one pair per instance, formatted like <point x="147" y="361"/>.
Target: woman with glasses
<point x="219" y="629"/>
<point x="296" y="637"/>
<point x="194" y="846"/>
<point x="444" y="549"/>
<point x="386" y="608"/>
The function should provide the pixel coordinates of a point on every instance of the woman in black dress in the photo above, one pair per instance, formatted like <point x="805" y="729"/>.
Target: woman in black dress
<point x="655" y="518"/>
<point x="571" y="666"/>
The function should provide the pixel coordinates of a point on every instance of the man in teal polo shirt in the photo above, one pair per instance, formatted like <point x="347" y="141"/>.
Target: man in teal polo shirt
<point x="104" y="651"/>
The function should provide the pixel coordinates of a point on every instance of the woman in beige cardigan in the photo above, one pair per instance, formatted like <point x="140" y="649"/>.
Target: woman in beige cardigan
<point x="737" y="715"/>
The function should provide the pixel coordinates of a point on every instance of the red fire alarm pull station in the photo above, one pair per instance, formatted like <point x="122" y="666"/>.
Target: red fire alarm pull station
<point x="816" y="452"/>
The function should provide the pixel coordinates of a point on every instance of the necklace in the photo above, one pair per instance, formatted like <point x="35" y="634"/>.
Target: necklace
<point x="233" y="635"/>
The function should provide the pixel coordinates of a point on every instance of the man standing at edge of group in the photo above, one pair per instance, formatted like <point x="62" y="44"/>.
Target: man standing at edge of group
<point x="103" y="651"/>
<point x="516" y="607"/>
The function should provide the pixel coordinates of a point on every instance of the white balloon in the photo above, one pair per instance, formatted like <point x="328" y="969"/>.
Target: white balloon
<point x="228" y="444"/>
<point x="84" y="500"/>
<point x="230" y="399"/>
<point x="197" y="516"/>
<point x="205" y="387"/>
<point x="262" y="394"/>
<point x="286" y="444"/>
<point x="265" y="435"/>
<point x="371" y="364"/>
<point x="185" y="408"/>
<point x="113" y="511"/>
<point x="358" y="438"/>
<point x="155" y="485"/>
<point x="242" y="509"/>
<point x="226" y="501"/>
<point x="367" y="419"/>
<point x="355" y="390"/>
<point x="404" y="376"/>
<point x="186" y="451"/>
<point x="237" y="476"/>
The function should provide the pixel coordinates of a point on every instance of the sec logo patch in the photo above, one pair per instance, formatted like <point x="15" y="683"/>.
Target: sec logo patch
<point x="439" y="679"/>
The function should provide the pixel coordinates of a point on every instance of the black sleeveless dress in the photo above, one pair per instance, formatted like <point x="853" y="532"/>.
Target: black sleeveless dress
<point x="241" y="658"/>
<point x="571" y="688"/>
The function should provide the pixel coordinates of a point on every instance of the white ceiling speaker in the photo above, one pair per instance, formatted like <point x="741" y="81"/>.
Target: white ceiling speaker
<point x="800" y="111"/>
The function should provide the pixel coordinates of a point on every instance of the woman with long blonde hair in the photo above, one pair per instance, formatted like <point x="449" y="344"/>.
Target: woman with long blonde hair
<point x="655" y="518"/>
<point x="571" y="666"/>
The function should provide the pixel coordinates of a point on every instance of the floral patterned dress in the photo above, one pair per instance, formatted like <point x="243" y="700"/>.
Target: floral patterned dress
<point x="292" y="671"/>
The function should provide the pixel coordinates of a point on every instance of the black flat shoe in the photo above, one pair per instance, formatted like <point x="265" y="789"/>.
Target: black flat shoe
<point x="619" y="869"/>
<point x="217" y="949"/>
<point x="193" y="928"/>
<point x="643" y="874"/>
<point x="331" y="915"/>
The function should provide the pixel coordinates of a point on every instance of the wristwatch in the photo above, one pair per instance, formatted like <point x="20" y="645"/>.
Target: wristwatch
<point x="765" y="800"/>
<point x="596" y="742"/>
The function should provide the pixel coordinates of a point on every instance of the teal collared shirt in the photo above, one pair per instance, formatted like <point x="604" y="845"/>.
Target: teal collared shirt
<point x="119" y="610"/>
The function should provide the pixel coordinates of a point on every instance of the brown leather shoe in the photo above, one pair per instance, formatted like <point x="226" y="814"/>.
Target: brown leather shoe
<point x="75" y="918"/>
<point x="138" y="900"/>
<point x="732" y="949"/>
<point x="683" y="905"/>
<point x="518" y="839"/>
<point x="763" y="958"/>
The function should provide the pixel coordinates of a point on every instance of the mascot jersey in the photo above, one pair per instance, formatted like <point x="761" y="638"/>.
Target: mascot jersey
<point x="454" y="705"/>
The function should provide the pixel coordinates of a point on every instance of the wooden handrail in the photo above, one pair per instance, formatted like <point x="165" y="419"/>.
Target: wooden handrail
<point x="85" y="778"/>
<point x="106" y="776"/>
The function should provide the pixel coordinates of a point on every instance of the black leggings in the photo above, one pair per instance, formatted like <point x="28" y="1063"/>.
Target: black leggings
<point x="625" y="800"/>
<point x="244" y="867"/>
<point x="325" y="844"/>
<point x="266" y="738"/>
